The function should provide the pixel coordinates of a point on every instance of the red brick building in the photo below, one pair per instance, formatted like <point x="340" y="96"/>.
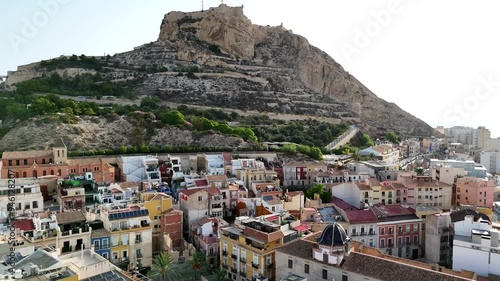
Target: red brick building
<point x="171" y="223"/>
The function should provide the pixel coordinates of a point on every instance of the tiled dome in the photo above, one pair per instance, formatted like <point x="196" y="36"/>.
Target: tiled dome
<point x="333" y="235"/>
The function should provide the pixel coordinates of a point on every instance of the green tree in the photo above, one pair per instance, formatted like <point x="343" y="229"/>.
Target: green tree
<point x="198" y="262"/>
<point x="121" y="149"/>
<point x="163" y="266"/>
<point x="366" y="141"/>
<point x="220" y="274"/>
<point x="419" y="171"/>
<point x="317" y="189"/>
<point x="392" y="137"/>
<point x="42" y="106"/>
<point x="173" y="117"/>
<point x="151" y="103"/>
<point x="326" y="197"/>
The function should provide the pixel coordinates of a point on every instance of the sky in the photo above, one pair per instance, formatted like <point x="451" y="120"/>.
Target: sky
<point x="438" y="60"/>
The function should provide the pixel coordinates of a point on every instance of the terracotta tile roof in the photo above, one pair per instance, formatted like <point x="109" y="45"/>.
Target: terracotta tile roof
<point x="360" y="216"/>
<point x="128" y="184"/>
<point x="210" y="190"/>
<point x="370" y="266"/>
<point x="25" y="225"/>
<point x="266" y="237"/>
<point x="387" y="187"/>
<point x="84" y="161"/>
<point x="205" y="220"/>
<point x="70" y="217"/>
<point x="460" y="215"/>
<point x="200" y="182"/>
<point x="374" y="182"/>
<point x="342" y="204"/>
<point x="363" y="186"/>
<point x="159" y="196"/>
<point x="299" y="248"/>
<point x="216" y="178"/>
<point x="274" y="201"/>
<point x="294" y="193"/>
<point x="27" y="154"/>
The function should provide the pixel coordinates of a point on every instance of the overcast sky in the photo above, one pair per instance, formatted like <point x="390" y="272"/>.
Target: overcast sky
<point x="438" y="60"/>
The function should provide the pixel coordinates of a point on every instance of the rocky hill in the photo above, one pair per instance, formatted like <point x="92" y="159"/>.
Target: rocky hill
<point x="218" y="58"/>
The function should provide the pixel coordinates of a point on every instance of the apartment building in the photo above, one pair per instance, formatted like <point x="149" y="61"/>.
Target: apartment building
<point x="28" y="199"/>
<point x="100" y="239"/>
<point x="475" y="191"/>
<point x="386" y="154"/>
<point x="423" y="190"/>
<point x="157" y="204"/>
<point x="301" y="173"/>
<point x="197" y="203"/>
<point x="398" y="230"/>
<point x="171" y="223"/>
<point x="447" y="174"/>
<point x="131" y="236"/>
<point x="438" y="239"/>
<point x="206" y="238"/>
<point x="247" y="248"/>
<point x="476" y="247"/>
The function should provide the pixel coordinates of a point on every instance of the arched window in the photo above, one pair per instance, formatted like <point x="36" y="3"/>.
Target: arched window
<point x="52" y="172"/>
<point x="44" y="172"/>
<point x="58" y="153"/>
<point x="17" y="175"/>
<point x="24" y="174"/>
<point x="59" y="172"/>
<point x="35" y="174"/>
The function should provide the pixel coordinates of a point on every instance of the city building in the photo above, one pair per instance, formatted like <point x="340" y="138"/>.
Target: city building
<point x="140" y="169"/>
<point x="476" y="247"/>
<point x="100" y="239"/>
<point x="331" y="255"/>
<point x="131" y="236"/>
<point x="438" y="239"/>
<point x="301" y="173"/>
<point x="446" y="174"/>
<point x="156" y="204"/>
<point x="386" y="154"/>
<point x="490" y="160"/>
<point x="423" y="190"/>
<point x="475" y="191"/>
<point x="171" y="223"/>
<point x="28" y="199"/>
<point x="247" y="248"/>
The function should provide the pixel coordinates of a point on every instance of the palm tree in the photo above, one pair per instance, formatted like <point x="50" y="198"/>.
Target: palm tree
<point x="163" y="265"/>
<point x="197" y="262"/>
<point x="220" y="274"/>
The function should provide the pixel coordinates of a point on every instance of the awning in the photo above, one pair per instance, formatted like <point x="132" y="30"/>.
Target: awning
<point x="272" y="218"/>
<point x="302" y="227"/>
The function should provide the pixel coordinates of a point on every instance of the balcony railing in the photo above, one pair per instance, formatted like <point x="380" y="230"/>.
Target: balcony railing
<point x="234" y="256"/>
<point x="224" y="253"/>
<point x="243" y="260"/>
<point x="234" y="270"/>
<point x="67" y="249"/>
<point x="243" y="274"/>
<point x="255" y="265"/>
<point x="269" y="265"/>
<point x="224" y="266"/>
<point x="139" y="255"/>
<point x="138" y="241"/>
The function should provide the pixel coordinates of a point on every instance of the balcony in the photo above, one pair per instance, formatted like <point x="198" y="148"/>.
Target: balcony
<point x="234" y="270"/>
<point x="137" y="241"/>
<point x="67" y="249"/>
<point x="255" y="265"/>
<point x="269" y="265"/>
<point x="243" y="274"/>
<point x="139" y="255"/>
<point x="224" y="253"/>
<point x="371" y="232"/>
<point x="234" y="256"/>
<point x="79" y="247"/>
<point x="224" y="266"/>
<point x="243" y="260"/>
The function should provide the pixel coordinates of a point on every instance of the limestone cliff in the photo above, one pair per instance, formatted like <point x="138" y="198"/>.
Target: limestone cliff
<point x="235" y="35"/>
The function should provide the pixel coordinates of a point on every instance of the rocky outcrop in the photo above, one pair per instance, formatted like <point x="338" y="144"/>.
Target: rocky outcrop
<point x="280" y="49"/>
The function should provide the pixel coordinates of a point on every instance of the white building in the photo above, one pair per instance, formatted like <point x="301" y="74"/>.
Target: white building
<point x="491" y="160"/>
<point x="446" y="174"/>
<point x="214" y="164"/>
<point x="28" y="198"/>
<point x="386" y="154"/>
<point x="476" y="247"/>
<point x="140" y="168"/>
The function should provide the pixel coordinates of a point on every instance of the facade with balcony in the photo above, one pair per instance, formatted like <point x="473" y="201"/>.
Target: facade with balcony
<point x="301" y="173"/>
<point x="140" y="169"/>
<point x="74" y="234"/>
<point x="130" y="235"/>
<point x="101" y="239"/>
<point x="247" y="249"/>
<point x="29" y="199"/>
<point x="198" y="203"/>
<point x="362" y="226"/>
<point x="423" y="190"/>
<point x="398" y="231"/>
<point x="206" y="239"/>
<point x="475" y="191"/>
<point x="71" y="198"/>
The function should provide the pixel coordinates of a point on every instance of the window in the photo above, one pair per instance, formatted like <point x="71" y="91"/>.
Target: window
<point x="35" y="204"/>
<point x="17" y="162"/>
<point x="290" y="263"/>
<point x="415" y="240"/>
<point x="325" y="274"/>
<point x="115" y="255"/>
<point x="382" y="243"/>
<point x="345" y="278"/>
<point x="105" y="255"/>
<point x="306" y="268"/>
<point x="25" y="161"/>
<point x="200" y="198"/>
<point x="97" y="245"/>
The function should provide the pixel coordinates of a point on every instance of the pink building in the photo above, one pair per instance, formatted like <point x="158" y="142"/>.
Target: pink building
<point x="475" y="191"/>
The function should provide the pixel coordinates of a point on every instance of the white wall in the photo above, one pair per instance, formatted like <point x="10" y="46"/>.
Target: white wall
<point x="349" y="192"/>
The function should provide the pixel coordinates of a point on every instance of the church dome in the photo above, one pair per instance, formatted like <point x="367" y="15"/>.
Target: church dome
<point x="333" y="235"/>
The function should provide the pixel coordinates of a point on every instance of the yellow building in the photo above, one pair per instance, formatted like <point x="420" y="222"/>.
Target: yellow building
<point x="131" y="236"/>
<point x="247" y="249"/>
<point x="156" y="204"/>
